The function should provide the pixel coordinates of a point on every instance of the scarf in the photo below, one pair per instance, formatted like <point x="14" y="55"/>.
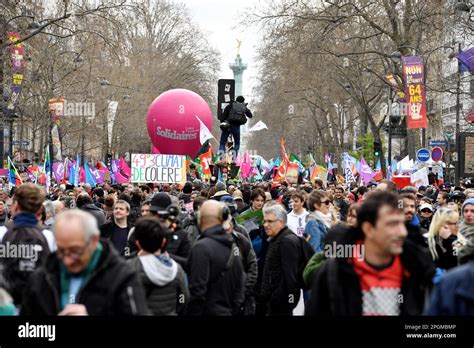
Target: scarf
<point x="326" y="219"/>
<point x="85" y="275"/>
<point x="465" y="242"/>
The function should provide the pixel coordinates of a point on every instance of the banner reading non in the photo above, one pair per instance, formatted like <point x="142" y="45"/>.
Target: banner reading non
<point x="413" y="70"/>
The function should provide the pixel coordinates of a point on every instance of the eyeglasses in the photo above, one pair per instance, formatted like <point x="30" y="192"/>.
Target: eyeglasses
<point x="74" y="253"/>
<point x="426" y="211"/>
<point x="326" y="202"/>
<point x="269" y="221"/>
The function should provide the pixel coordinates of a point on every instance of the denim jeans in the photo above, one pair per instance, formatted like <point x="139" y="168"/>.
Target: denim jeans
<point x="235" y="131"/>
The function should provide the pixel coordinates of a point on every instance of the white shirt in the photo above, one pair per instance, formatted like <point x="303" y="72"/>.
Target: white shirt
<point x="49" y="235"/>
<point x="297" y="223"/>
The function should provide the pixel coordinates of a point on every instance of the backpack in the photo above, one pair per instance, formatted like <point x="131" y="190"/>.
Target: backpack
<point x="237" y="113"/>
<point x="32" y="251"/>
<point x="234" y="251"/>
<point x="306" y="252"/>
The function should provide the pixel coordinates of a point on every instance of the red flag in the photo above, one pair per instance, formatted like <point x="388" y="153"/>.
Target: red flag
<point x="99" y="166"/>
<point x="284" y="155"/>
<point x="205" y="160"/>
<point x="378" y="176"/>
<point x="82" y="175"/>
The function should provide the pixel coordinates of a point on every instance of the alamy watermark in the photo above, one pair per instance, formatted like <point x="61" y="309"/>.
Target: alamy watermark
<point x="346" y="251"/>
<point x="28" y="330"/>
<point x="20" y="251"/>
<point x="79" y="109"/>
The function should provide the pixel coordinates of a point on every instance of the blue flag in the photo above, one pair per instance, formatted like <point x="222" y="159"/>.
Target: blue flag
<point x="90" y="178"/>
<point x="77" y="168"/>
<point x="72" y="173"/>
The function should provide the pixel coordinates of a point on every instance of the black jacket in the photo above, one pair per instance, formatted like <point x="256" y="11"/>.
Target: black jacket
<point x="178" y="245"/>
<point x="425" y="223"/>
<point x="168" y="298"/>
<point x="447" y="258"/>
<point x="336" y="289"/>
<point x="280" y="289"/>
<point x="96" y="211"/>
<point x="249" y="260"/>
<point x="343" y="207"/>
<point x="190" y="226"/>
<point x="114" y="288"/>
<point x="107" y="230"/>
<point x="213" y="289"/>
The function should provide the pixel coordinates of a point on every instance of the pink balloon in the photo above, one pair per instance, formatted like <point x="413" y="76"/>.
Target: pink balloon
<point x="172" y="124"/>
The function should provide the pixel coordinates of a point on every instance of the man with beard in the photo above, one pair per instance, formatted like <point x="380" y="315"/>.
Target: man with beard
<point x="384" y="267"/>
<point x="412" y="221"/>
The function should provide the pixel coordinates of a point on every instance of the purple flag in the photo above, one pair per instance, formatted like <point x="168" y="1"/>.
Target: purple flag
<point x="366" y="173"/>
<point x="98" y="175"/>
<point x="58" y="171"/>
<point x="467" y="58"/>
<point x="114" y="164"/>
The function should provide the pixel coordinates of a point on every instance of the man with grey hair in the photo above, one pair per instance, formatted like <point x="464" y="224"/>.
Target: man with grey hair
<point x="59" y="206"/>
<point x="87" y="276"/>
<point x="280" y="289"/>
<point x="49" y="210"/>
<point x="118" y="229"/>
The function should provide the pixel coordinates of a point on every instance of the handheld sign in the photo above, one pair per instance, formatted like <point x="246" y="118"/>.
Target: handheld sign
<point x="437" y="154"/>
<point x="156" y="168"/>
<point x="423" y="155"/>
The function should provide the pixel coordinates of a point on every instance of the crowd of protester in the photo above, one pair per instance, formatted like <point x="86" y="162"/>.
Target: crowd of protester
<point x="214" y="248"/>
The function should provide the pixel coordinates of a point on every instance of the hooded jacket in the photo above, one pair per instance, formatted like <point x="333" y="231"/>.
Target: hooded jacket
<point x="336" y="290"/>
<point x="164" y="282"/>
<point x="113" y="288"/>
<point x="214" y="290"/>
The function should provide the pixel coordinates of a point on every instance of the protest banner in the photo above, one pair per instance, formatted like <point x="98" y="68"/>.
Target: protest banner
<point x="158" y="168"/>
<point x="250" y="220"/>
<point x="413" y="70"/>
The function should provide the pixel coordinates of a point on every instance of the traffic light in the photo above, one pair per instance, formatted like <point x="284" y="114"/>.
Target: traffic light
<point x="377" y="149"/>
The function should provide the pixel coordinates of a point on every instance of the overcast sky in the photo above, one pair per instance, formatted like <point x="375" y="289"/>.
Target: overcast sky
<point x="224" y="21"/>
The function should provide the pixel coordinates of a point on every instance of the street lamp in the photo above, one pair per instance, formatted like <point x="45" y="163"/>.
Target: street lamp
<point x="8" y="117"/>
<point x="461" y="8"/>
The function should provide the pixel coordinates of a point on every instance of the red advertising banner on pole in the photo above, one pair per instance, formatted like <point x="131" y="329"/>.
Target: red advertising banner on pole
<point x="413" y="71"/>
<point x="56" y="109"/>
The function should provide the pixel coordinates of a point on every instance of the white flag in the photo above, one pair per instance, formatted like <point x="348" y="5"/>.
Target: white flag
<point x="204" y="132"/>
<point x="420" y="177"/>
<point x="258" y="127"/>
<point x="111" y="119"/>
<point x="348" y="172"/>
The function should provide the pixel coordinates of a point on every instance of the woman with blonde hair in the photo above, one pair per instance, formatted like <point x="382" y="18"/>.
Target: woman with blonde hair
<point x="441" y="236"/>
